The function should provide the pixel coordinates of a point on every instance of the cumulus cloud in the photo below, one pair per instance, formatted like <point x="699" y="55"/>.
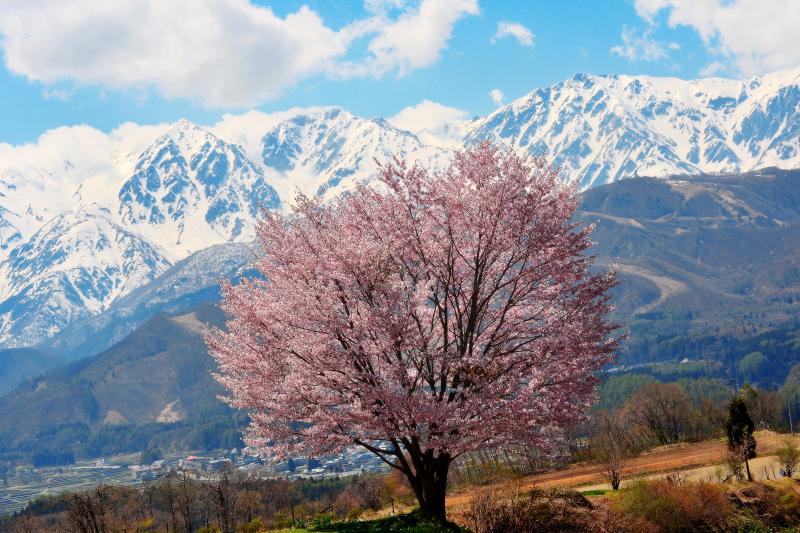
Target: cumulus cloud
<point x="413" y="40"/>
<point x="497" y="97"/>
<point x="748" y="36"/>
<point x="433" y="123"/>
<point x="221" y="53"/>
<point x="74" y="153"/>
<point x="60" y="150"/>
<point x="426" y="115"/>
<point x="641" y="46"/>
<point x="523" y="35"/>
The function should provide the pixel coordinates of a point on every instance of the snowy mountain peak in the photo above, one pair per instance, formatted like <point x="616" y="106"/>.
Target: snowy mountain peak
<point x="189" y="178"/>
<point x="78" y="233"/>
<point x="188" y="137"/>
<point x="326" y="151"/>
<point x="73" y="267"/>
<point x="602" y="128"/>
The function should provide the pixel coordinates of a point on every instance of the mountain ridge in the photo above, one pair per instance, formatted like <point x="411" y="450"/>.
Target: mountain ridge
<point x="188" y="188"/>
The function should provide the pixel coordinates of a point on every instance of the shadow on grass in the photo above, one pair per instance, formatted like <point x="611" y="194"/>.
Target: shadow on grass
<point x="407" y="523"/>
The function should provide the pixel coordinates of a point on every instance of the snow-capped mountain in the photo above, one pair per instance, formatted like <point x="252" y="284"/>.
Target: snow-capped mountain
<point x="75" y="246"/>
<point x="599" y="129"/>
<point x="327" y="151"/>
<point x="29" y="197"/>
<point x="181" y="287"/>
<point x="190" y="190"/>
<point x="74" y="266"/>
<point x="78" y="234"/>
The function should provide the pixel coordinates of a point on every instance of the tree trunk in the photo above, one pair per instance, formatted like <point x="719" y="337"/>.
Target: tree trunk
<point x="747" y="467"/>
<point x="429" y="482"/>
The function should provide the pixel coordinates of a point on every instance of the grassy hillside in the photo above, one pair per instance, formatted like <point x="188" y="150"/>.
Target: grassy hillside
<point x="700" y="257"/>
<point x="154" y="388"/>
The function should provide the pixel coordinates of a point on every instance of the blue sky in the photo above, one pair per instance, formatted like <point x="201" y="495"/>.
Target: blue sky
<point x="151" y="61"/>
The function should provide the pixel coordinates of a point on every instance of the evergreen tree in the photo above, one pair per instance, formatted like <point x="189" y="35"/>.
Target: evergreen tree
<point x="739" y="427"/>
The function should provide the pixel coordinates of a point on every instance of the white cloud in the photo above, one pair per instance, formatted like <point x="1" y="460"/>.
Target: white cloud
<point x="641" y="47"/>
<point x="221" y="53"/>
<point x="426" y="115"/>
<point x="712" y="69"/>
<point x="497" y="97"/>
<point x="75" y="153"/>
<point x="749" y="36"/>
<point x="414" y="40"/>
<point x="61" y="150"/>
<point x="433" y="123"/>
<point x="523" y="35"/>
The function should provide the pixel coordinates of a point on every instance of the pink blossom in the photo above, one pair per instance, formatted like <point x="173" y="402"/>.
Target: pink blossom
<point x="422" y="318"/>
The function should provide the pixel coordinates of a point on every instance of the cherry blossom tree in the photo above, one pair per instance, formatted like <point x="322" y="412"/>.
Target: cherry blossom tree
<point x="420" y="317"/>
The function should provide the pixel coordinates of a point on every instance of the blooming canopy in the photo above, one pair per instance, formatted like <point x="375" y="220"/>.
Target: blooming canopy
<point x="421" y="317"/>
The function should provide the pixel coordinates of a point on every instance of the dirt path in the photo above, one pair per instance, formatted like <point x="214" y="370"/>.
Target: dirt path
<point x="696" y="460"/>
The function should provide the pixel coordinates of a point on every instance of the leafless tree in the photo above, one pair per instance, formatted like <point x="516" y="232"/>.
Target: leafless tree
<point x="88" y="510"/>
<point x="611" y="443"/>
<point x="663" y="410"/>
<point x="225" y="496"/>
<point x="186" y="498"/>
<point x="788" y="457"/>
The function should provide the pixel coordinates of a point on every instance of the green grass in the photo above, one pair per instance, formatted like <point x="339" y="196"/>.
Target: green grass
<point x="407" y="523"/>
<point x="594" y="492"/>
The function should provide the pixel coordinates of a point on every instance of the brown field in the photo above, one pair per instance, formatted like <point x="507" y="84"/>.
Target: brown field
<point x="695" y="460"/>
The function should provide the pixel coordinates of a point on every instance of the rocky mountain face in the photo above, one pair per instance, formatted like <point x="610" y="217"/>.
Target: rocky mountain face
<point x="325" y="153"/>
<point x="184" y="193"/>
<point x="73" y="267"/>
<point x="76" y="239"/>
<point x="183" y="286"/>
<point x="189" y="190"/>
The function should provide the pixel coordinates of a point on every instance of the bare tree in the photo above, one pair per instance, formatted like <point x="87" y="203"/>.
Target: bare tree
<point x="88" y="510"/>
<point x="611" y="443"/>
<point x="734" y="460"/>
<point x="662" y="410"/>
<point x="27" y="523"/>
<point x="224" y="493"/>
<point x="249" y="504"/>
<point x="186" y="500"/>
<point x="765" y="406"/>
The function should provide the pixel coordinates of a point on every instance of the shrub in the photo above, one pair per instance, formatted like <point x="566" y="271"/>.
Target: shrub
<point x="788" y="457"/>
<point x="253" y="526"/>
<point x="662" y="411"/>
<point x="776" y="504"/>
<point x="734" y="464"/>
<point x="556" y="510"/>
<point x="673" y="507"/>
